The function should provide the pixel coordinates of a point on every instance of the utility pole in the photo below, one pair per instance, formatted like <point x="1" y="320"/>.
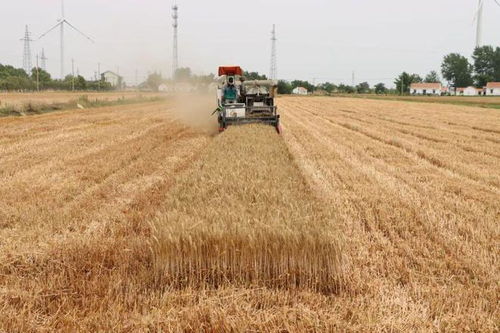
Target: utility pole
<point x="353" y="80"/>
<point x="273" y="73"/>
<point x="37" y="75"/>
<point x="402" y="84"/>
<point x="136" y="79"/>
<point x="44" y="60"/>
<point x="99" y="76"/>
<point x="73" y="74"/>
<point x="27" y="66"/>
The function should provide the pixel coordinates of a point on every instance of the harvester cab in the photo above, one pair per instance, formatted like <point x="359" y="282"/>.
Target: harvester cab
<point x="243" y="102"/>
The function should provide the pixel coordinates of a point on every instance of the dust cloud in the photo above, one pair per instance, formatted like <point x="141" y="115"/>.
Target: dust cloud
<point x="195" y="110"/>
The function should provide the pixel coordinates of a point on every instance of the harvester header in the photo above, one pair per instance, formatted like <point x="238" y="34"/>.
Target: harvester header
<point x="230" y="70"/>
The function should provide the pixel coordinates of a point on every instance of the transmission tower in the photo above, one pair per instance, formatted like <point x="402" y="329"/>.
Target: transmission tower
<point x="273" y="75"/>
<point x="175" y="56"/>
<point x="44" y="60"/>
<point x="27" y="51"/>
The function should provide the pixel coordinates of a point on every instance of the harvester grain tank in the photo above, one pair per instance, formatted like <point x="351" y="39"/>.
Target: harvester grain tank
<point x="244" y="102"/>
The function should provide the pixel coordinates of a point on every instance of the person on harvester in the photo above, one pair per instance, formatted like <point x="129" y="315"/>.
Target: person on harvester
<point x="230" y="92"/>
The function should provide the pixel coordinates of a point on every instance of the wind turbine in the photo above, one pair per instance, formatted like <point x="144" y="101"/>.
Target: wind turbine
<point x="479" y="20"/>
<point x="60" y="23"/>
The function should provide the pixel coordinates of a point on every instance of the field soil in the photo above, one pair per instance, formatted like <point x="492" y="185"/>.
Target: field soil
<point x="365" y="215"/>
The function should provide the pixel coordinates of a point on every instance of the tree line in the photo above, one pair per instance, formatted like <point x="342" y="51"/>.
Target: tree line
<point x="455" y="69"/>
<point x="458" y="71"/>
<point x="16" y="79"/>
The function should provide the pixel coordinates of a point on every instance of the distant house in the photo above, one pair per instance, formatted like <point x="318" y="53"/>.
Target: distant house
<point x="492" y="89"/>
<point x="426" y="89"/>
<point x="300" y="91"/>
<point x="112" y="78"/>
<point x="163" y="88"/>
<point x="468" y="91"/>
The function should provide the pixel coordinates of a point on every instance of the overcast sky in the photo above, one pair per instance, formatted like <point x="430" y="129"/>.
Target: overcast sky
<point x="322" y="39"/>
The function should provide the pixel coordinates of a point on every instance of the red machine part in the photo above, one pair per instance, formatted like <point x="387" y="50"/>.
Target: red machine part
<point x="230" y="70"/>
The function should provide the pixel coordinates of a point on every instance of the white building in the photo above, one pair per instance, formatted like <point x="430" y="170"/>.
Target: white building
<point x="163" y="88"/>
<point x="112" y="78"/>
<point x="493" y="89"/>
<point x="426" y="89"/>
<point x="469" y="91"/>
<point x="300" y="91"/>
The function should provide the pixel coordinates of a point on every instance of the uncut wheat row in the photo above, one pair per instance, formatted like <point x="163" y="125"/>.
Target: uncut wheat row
<point x="244" y="216"/>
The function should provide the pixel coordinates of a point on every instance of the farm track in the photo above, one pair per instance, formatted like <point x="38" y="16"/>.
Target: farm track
<point x="364" y="216"/>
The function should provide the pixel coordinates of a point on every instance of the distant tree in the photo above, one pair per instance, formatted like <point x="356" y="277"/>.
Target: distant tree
<point x="7" y="71"/>
<point x="345" y="89"/>
<point x="457" y="70"/>
<point x="153" y="81"/>
<point x="363" y="88"/>
<point x="299" y="83"/>
<point x="380" y="88"/>
<point x="182" y="74"/>
<point x="16" y="83"/>
<point x="432" y="77"/>
<point x="80" y="83"/>
<point x="284" y="87"/>
<point x="404" y="81"/>
<point x="327" y="86"/>
<point x="254" y="76"/>
<point x="43" y="78"/>
<point x="486" y="65"/>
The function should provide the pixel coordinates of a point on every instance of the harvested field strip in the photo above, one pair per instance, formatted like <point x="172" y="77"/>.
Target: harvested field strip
<point x="441" y="154"/>
<point x="244" y="216"/>
<point x="417" y="234"/>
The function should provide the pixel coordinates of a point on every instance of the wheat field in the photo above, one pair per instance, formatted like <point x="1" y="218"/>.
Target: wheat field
<point x="13" y="99"/>
<point x="365" y="215"/>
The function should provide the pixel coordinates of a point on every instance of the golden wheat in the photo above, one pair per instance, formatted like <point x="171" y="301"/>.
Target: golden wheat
<point x="365" y="216"/>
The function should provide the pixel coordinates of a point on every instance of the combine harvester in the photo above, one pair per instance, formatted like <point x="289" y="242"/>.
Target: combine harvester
<point x="245" y="102"/>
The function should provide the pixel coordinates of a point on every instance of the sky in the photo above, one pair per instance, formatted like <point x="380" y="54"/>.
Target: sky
<point x="318" y="40"/>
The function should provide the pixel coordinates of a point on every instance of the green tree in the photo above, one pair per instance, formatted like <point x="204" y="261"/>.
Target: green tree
<point x="405" y="80"/>
<point x="284" y="87"/>
<point x="380" y="88"/>
<point x="254" y="76"/>
<point x="182" y="74"/>
<point x="345" y="89"/>
<point x="154" y="81"/>
<point x="457" y="70"/>
<point x="43" y="78"/>
<point x="432" y="77"/>
<point x="328" y="87"/>
<point x="363" y="88"/>
<point x="486" y="65"/>
<point x="7" y="71"/>
<point x="305" y="84"/>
